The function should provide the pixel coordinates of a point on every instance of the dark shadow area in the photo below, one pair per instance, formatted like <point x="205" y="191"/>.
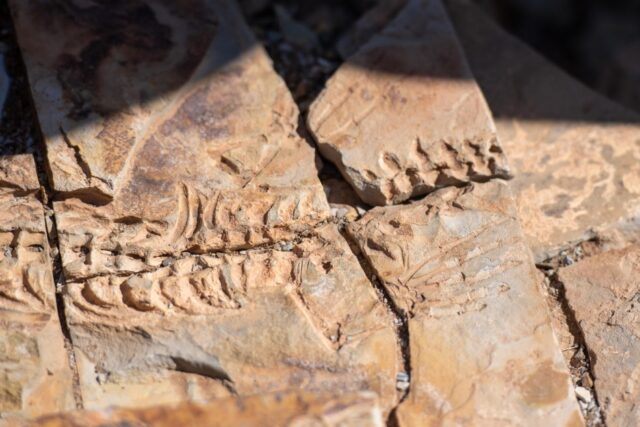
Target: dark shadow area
<point x="110" y="57"/>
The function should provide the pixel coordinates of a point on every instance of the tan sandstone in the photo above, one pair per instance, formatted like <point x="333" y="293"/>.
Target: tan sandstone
<point x="574" y="154"/>
<point x="274" y="410"/>
<point x="403" y="116"/>
<point x="603" y="292"/>
<point x="300" y="316"/>
<point x="482" y="347"/>
<point x="190" y="213"/>
<point x="34" y="371"/>
<point x="145" y="115"/>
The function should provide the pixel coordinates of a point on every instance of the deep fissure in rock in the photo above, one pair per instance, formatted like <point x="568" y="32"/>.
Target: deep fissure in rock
<point x="33" y="143"/>
<point x="580" y="364"/>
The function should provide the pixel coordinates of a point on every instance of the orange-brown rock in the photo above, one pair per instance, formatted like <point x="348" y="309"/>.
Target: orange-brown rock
<point x="574" y="154"/>
<point x="404" y="116"/>
<point x="603" y="293"/>
<point x="482" y="348"/>
<point x="190" y="212"/>
<point x="171" y="116"/>
<point x="34" y="371"/>
<point x="301" y="315"/>
<point x="274" y="410"/>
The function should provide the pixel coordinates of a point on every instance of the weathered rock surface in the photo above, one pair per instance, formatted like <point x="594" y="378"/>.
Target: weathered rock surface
<point x="303" y="315"/>
<point x="368" y="25"/>
<point x="603" y="293"/>
<point x="176" y="123"/>
<point x="34" y="372"/>
<point x="404" y="116"/>
<point x="276" y="410"/>
<point x="575" y="155"/>
<point x="482" y="348"/>
<point x="189" y="213"/>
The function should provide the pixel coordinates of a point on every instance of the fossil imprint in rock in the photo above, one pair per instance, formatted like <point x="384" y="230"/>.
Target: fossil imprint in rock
<point x="404" y="116"/>
<point x="191" y="224"/>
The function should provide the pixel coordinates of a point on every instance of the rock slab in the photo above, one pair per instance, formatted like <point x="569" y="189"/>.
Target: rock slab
<point x="482" y="348"/>
<point x="277" y="410"/>
<point x="404" y="116"/>
<point x="575" y="155"/>
<point x="603" y="292"/>
<point x="35" y="377"/>
<point x="190" y="214"/>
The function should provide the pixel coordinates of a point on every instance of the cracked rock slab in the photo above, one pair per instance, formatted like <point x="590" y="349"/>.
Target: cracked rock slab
<point x="35" y="377"/>
<point x="404" y="116"/>
<point x="167" y="130"/>
<point x="482" y="347"/>
<point x="603" y="292"/>
<point x="575" y="155"/>
<point x="301" y="316"/>
<point x="276" y="410"/>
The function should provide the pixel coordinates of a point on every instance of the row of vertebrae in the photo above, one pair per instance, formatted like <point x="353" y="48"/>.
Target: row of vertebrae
<point x="26" y="285"/>
<point x="98" y="243"/>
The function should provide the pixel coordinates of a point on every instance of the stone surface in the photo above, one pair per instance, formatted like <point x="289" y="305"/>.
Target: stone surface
<point x="288" y="410"/>
<point x="575" y="155"/>
<point x="302" y="315"/>
<point x="403" y="116"/>
<point x="373" y="20"/>
<point x="190" y="213"/>
<point x="34" y="372"/>
<point x="603" y="293"/>
<point x="165" y="114"/>
<point x="482" y="348"/>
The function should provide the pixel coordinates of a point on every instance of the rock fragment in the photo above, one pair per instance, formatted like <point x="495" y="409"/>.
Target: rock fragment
<point x="574" y="154"/>
<point x="292" y="409"/>
<point x="190" y="212"/>
<point x="174" y="125"/>
<point x="482" y="347"/>
<point x="210" y="325"/>
<point x="35" y="377"/>
<point x="404" y="116"/>
<point x="603" y="291"/>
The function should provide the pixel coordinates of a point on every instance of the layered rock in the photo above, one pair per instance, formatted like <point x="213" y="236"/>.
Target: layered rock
<point x="201" y="326"/>
<point x="140" y="113"/>
<point x="35" y="377"/>
<point x="293" y="409"/>
<point x="190" y="213"/>
<point x="403" y="116"/>
<point x="574" y="154"/>
<point x="481" y="344"/>
<point x="602" y="291"/>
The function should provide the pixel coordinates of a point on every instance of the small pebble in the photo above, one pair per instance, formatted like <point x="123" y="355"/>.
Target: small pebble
<point x="583" y="394"/>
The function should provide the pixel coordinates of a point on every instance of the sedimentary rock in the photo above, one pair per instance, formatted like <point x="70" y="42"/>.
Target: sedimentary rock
<point x="482" y="348"/>
<point x="302" y="315"/>
<point x="189" y="212"/>
<point x="166" y="113"/>
<point x="34" y="371"/>
<point x="603" y="293"/>
<point x="368" y="25"/>
<point x="275" y="410"/>
<point x="403" y="116"/>
<point x="574" y="154"/>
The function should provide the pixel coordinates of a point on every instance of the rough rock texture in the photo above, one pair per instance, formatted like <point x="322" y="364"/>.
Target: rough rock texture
<point x="173" y="118"/>
<point x="482" y="348"/>
<point x="288" y="410"/>
<point x="303" y="315"/>
<point x="404" y="116"/>
<point x="603" y="292"/>
<point x="34" y="372"/>
<point x="575" y="155"/>
<point x="189" y="224"/>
